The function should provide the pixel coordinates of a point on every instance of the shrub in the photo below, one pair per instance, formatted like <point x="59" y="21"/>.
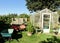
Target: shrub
<point x="30" y="27"/>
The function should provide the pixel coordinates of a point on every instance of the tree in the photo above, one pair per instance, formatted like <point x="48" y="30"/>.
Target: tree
<point x="4" y="22"/>
<point x="12" y="15"/>
<point x="34" y="5"/>
<point x="7" y="18"/>
<point x="24" y="16"/>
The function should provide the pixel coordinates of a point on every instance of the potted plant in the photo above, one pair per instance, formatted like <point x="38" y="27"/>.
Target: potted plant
<point x="29" y="28"/>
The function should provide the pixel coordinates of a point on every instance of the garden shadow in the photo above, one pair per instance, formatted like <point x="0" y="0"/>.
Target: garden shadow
<point x="1" y="39"/>
<point x="17" y="35"/>
<point x="54" y="39"/>
<point x="3" y="25"/>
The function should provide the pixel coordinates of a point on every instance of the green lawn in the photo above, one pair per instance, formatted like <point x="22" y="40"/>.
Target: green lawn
<point x="36" y="38"/>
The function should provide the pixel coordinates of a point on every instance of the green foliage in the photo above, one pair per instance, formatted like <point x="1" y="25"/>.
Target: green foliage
<point x="34" y="5"/>
<point x="12" y="15"/>
<point x="24" y="16"/>
<point x="29" y="27"/>
<point x="7" y="18"/>
<point x="53" y="39"/>
<point x="36" y="38"/>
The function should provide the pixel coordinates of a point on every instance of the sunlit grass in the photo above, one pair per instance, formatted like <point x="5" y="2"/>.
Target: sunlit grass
<point x="35" y="38"/>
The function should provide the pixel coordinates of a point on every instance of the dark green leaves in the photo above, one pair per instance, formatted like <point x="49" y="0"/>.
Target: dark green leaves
<point x="34" y="5"/>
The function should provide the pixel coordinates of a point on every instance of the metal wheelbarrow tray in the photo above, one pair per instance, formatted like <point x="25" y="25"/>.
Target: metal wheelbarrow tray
<point x="6" y="34"/>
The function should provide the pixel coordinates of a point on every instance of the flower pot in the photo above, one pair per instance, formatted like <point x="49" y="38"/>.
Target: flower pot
<point x="29" y="33"/>
<point x="10" y="31"/>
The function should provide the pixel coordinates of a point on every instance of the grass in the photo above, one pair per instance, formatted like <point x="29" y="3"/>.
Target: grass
<point x="36" y="38"/>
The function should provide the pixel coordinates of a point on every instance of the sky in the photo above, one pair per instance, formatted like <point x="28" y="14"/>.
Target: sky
<point x="13" y="6"/>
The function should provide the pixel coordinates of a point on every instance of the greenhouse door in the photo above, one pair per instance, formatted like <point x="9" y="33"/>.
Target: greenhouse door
<point x="46" y="18"/>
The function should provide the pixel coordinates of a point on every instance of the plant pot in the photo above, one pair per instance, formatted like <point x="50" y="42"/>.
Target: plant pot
<point x="29" y="33"/>
<point x="10" y="31"/>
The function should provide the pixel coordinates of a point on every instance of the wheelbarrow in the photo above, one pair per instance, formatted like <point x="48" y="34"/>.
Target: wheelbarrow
<point x="6" y="34"/>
